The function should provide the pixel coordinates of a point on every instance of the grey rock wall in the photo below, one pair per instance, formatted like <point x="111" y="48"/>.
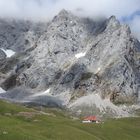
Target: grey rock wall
<point x="108" y="62"/>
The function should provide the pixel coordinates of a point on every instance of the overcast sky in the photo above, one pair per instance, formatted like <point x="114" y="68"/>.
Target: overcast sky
<point x="125" y="10"/>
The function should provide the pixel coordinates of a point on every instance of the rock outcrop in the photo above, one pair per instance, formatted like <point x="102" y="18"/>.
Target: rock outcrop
<point x="2" y="56"/>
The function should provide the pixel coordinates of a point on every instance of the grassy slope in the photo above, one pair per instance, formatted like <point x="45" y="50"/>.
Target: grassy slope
<point x="60" y="127"/>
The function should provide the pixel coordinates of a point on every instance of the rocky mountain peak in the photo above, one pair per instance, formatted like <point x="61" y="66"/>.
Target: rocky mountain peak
<point x="64" y="16"/>
<point x="113" y="19"/>
<point x="63" y="13"/>
<point x="70" y="61"/>
<point x="112" y="22"/>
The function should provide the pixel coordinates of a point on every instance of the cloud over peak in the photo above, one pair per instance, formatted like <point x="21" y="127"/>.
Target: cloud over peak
<point x="46" y="9"/>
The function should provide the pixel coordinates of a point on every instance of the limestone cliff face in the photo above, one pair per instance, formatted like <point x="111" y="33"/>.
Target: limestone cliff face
<point x="72" y="57"/>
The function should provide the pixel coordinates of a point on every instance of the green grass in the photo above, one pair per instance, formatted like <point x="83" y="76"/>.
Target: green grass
<point x="55" y="125"/>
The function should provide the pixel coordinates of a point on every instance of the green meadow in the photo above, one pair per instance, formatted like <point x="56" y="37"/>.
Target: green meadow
<point x="22" y="123"/>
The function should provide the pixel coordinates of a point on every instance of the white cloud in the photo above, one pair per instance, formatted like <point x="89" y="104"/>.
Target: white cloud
<point x="45" y="9"/>
<point x="135" y="26"/>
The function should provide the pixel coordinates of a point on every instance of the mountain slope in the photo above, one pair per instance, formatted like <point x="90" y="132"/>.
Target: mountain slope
<point x="71" y="57"/>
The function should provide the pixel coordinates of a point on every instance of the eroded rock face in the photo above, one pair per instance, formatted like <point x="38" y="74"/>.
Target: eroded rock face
<point x="2" y="56"/>
<point x="75" y="57"/>
<point x="19" y="35"/>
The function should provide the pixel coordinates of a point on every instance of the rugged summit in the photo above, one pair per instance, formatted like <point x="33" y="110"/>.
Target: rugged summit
<point x="73" y="62"/>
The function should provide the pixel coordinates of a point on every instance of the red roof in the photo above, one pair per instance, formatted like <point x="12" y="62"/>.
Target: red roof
<point x="90" y="118"/>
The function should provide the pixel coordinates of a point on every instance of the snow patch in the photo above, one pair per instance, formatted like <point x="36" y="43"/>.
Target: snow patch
<point x="42" y="93"/>
<point x="98" y="70"/>
<point x="8" y="52"/>
<point x="79" y="55"/>
<point x="2" y="90"/>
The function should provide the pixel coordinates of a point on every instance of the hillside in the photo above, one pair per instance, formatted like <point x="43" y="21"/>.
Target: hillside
<point x="20" y="123"/>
